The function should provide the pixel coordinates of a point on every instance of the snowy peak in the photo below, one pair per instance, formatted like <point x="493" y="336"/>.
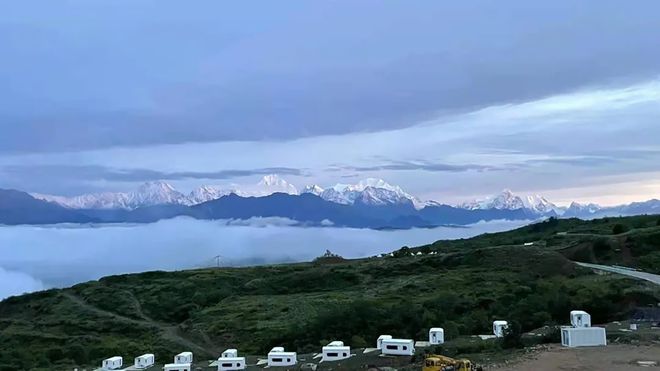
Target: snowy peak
<point x="366" y="183"/>
<point x="157" y="187"/>
<point x="578" y="207"/>
<point x="507" y="200"/>
<point x="272" y="180"/>
<point x="541" y="205"/>
<point x="270" y="184"/>
<point x="207" y="193"/>
<point x="313" y="189"/>
<point x="160" y="192"/>
<point x="106" y="200"/>
<point x="155" y="193"/>
<point x="148" y="194"/>
<point x="370" y="191"/>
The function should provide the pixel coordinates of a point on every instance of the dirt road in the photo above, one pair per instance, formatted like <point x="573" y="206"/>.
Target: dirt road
<point x="612" y="357"/>
<point x="627" y="272"/>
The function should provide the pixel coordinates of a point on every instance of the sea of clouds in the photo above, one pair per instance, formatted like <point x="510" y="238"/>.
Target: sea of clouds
<point x="38" y="257"/>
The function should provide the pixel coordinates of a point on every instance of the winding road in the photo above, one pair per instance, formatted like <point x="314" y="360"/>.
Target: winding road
<point x="626" y="272"/>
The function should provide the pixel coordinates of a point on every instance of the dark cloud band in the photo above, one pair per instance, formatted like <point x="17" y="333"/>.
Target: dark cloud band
<point x="96" y="173"/>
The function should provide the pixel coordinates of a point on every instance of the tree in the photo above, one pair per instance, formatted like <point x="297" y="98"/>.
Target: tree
<point x="358" y="341"/>
<point x="512" y="336"/>
<point x="404" y="251"/>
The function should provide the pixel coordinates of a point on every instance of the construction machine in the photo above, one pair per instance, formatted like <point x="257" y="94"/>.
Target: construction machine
<point x="435" y="362"/>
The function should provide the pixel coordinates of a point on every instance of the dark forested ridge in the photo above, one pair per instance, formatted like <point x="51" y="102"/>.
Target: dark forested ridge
<point x="461" y="285"/>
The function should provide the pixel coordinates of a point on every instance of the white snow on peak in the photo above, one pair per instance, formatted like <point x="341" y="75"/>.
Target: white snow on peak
<point x="507" y="200"/>
<point x="270" y="184"/>
<point x="576" y="208"/>
<point x="148" y="194"/>
<point x="155" y="193"/>
<point x="160" y="192"/>
<point x="370" y="191"/>
<point x="207" y="193"/>
<point x="313" y="189"/>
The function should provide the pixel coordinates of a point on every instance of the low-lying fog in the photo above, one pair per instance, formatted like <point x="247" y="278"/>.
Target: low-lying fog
<point x="37" y="257"/>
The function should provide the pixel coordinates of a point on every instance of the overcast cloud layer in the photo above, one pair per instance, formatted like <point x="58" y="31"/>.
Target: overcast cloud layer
<point x="449" y="100"/>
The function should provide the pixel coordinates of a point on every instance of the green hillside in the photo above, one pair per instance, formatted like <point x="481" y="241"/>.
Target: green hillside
<point x="462" y="287"/>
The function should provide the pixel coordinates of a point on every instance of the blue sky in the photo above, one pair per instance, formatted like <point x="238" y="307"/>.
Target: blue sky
<point x="449" y="100"/>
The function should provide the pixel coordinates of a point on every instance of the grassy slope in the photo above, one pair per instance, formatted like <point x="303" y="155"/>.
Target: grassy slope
<point x="586" y="241"/>
<point x="462" y="288"/>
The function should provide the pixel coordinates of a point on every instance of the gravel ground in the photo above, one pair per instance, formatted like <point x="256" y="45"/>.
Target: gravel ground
<point x="612" y="357"/>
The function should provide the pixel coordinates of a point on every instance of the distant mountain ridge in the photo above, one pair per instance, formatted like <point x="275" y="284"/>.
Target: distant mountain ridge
<point x="20" y="208"/>
<point x="371" y="203"/>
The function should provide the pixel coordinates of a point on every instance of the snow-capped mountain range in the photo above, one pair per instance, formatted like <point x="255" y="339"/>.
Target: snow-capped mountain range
<point x="161" y="193"/>
<point x="148" y="194"/>
<point x="370" y="192"/>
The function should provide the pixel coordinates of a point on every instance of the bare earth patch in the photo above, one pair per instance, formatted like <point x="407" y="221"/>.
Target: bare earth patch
<point x="612" y="357"/>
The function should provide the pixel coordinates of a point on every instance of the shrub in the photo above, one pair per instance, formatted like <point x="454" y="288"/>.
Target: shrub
<point x="358" y="342"/>
<point x="512" y="336"/>
<point x="619" y="228"/>
<point x="404" y="251"/>
<point x="602" y="245"/>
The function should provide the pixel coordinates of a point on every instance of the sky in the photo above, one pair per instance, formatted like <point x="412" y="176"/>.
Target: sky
<point x="449" y="100"/>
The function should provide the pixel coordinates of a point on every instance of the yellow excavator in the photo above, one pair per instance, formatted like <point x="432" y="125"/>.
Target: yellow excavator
<point x="435" y="362"/>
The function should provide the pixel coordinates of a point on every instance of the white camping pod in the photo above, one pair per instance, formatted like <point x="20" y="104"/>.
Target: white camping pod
<point x="583" y="336"/>
<point x="278" y="357"/>
<point x="436" y="336"/>
<point x="177" y="367"/>
<point x="398" y="347"/>
<point x="229" y="360"/>
<point x="183" y="358"/>
<point x="335" y="351"/>
<point x="231" y="363"/>
<point x="379" y="342"/>
<point x="580" y="318"/>
<point x="112" y="363"/>
<point x="499" y="327"/>
<point x="144" y="361"/>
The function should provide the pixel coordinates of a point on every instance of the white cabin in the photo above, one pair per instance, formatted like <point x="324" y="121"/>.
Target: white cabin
<point x="229" y="353"/>
<point x="398" y="347"/>
<point x="580" y="318"/>
<point x="335" y="351"/>
<point x="436" y="335"/>
<point x="583" y="336"/>
<point x="231" y="363"/>
<point x="178" y="367"/>
<point x="379" y="342"/>
<point x="278" y="357"/>
<point x="499" y="327"/>
<point x="112" y="363"/>
<point x="183" y="358"/>
<point x="144" y="361"/>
